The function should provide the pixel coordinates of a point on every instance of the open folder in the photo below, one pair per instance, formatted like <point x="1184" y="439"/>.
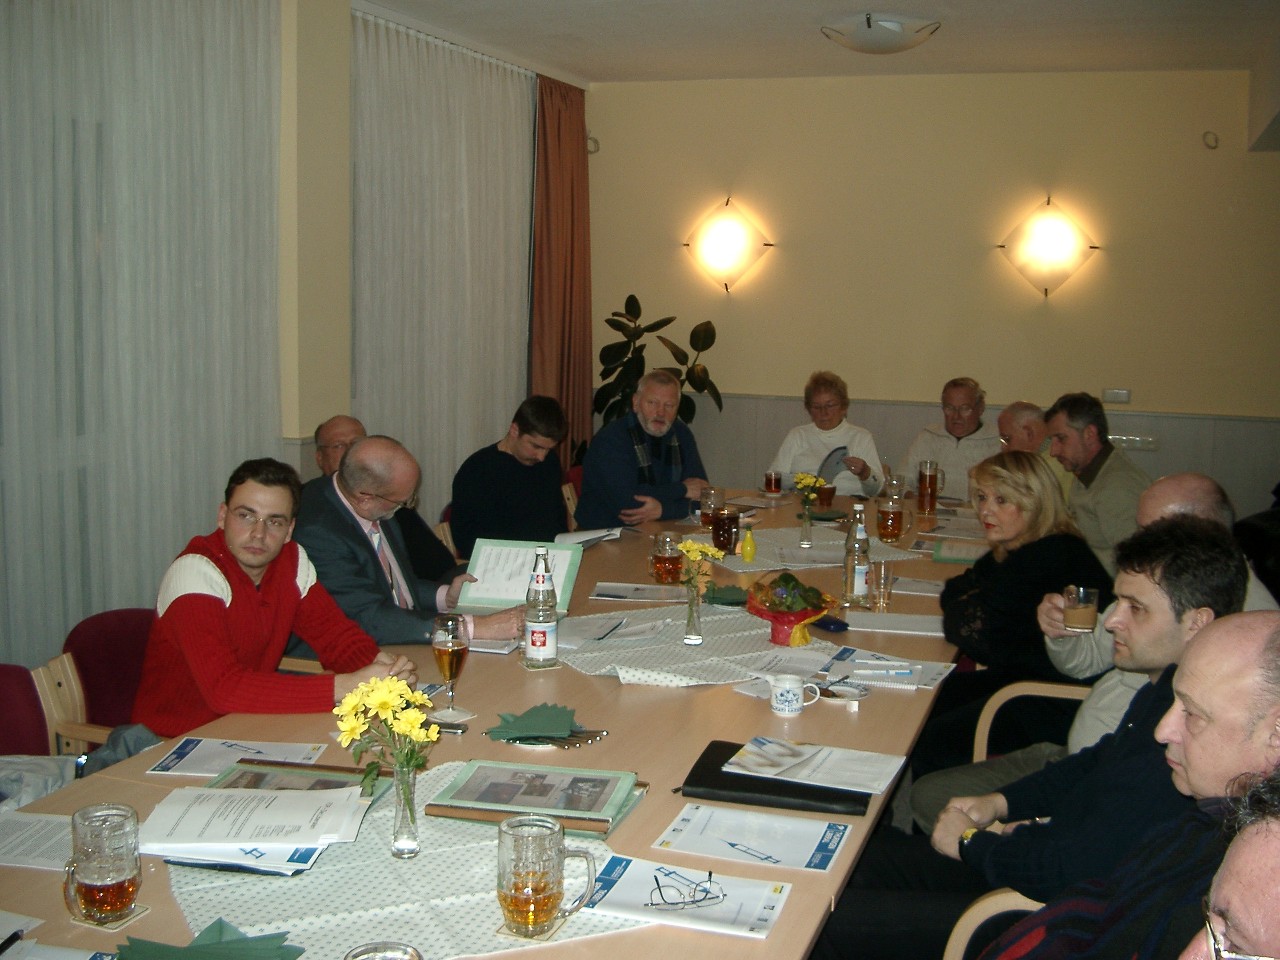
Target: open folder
<point x="502" y="567"/>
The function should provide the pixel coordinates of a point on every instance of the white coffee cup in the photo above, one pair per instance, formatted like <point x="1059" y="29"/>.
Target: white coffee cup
<point x="787" y="694"/>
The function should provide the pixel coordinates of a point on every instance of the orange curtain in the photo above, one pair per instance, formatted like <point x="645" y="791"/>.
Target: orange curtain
<point x="561" y="363"/>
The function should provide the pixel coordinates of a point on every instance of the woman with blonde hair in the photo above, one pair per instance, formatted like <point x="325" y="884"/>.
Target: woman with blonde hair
<point x="989" y="611"/>
<point x="830" y="446"/>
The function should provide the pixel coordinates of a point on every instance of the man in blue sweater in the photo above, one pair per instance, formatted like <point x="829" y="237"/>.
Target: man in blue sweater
<point x="644" y="466"/>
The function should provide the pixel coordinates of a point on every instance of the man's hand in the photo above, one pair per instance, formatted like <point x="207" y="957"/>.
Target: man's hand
<point x="455" y="590"/>
<point x="857" y="466"/>
<point x="383" y="665"/>
<point x="649" y="509"/>
<point x="503" y="625"/>
<point x="1049" y="616"/>
<point x="960" y="814"/>
<point x="693" y="487"/>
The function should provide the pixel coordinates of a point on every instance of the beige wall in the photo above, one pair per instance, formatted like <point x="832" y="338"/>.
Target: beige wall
<point x="886" y="197"/>
<point x="315" y="213"/>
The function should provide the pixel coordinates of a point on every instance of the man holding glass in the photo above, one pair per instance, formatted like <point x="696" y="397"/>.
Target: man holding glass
<point x="226" y="608"/>
<point x="644" y="466"/>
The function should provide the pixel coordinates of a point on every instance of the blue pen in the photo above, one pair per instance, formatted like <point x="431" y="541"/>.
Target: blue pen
<point x="611" y="629"/>
<point x="880" y="673"/>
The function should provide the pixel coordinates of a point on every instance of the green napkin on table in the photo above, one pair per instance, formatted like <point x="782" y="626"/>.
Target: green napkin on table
<point x="218" y="941"/>
<point x="725" y="596"/>
<point x="544" y="720"/>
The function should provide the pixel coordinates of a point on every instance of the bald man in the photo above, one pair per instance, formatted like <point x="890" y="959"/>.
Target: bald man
<point x="1022" y="427"/>
<point x="361" y="558"/>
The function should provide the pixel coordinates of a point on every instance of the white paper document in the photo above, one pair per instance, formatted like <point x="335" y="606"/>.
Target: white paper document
<point x="838" y="767"/>
<point x="882" y="670"/>
<point x="41" y="840"/>
<point x="199" y="817"/>
<point x="501" y="569"/>
<point x="651" y="592"/>
<point x="687" y="897"/>
<point x="750" y="837"/>
<point x="205" y="757"/>
<point x="586" y="538"/>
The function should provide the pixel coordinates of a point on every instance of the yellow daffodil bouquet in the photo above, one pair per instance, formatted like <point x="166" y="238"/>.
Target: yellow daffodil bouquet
<point x="807" y="485"/>
<point x="695" y="566"/>
<point x="386" y="717"/>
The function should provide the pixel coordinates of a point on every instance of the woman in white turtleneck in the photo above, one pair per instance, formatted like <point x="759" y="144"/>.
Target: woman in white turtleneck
<point x="826" y="398"/>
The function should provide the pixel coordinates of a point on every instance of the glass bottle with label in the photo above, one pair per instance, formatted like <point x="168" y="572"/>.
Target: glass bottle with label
<point x="539" y="649"/>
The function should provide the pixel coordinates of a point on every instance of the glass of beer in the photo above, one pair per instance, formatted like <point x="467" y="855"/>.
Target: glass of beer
<point x="531" y="856"/>
<point x="103" y="874"/>
<point x="929" y="482"/>
<point x="724" y="529"/>
<point x="712" y="500"/>
<point x="450" y="646"/>
<point x="773" y="483"/>
<point x="1080" y="609"/>
<point x="893" y="517"/>
<point x="665" y="560"/>
<point x="826" y="496"/>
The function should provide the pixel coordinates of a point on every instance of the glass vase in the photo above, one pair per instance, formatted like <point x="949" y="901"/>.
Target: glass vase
<point x="806" y="525"/>
<point x="404" y="837"/>
<point x="693" y="618"/>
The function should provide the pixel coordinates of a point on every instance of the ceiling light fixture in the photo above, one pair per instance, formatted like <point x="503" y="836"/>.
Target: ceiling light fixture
<point x="881" y="32"/>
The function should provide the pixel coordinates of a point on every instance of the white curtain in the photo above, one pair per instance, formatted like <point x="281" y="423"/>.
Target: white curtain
<point x="442" y="166"/>
<point x="138" y="344"/>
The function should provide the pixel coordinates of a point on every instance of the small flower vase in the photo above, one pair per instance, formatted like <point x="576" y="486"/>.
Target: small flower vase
<point x="806" y="525"/>
<point x="404" y="838"/>
<point x="693" y="619"/>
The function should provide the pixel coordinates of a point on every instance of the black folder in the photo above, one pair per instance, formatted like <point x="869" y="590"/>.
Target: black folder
<point x="707" y="781"/>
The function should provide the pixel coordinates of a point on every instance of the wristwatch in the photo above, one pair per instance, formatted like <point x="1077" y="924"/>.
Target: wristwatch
<point x="967" y="836"/>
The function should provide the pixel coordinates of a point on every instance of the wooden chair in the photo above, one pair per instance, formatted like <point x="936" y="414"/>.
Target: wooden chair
<point x="1023" y="688"/>
<point x="444" y="533"/>
<point x="570" y="502"/>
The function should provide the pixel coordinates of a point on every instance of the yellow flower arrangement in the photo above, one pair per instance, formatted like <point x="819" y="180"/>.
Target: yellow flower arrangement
<point x="386" y="716"/>
<point x="695" y="561"/>
<point x="807" y="485"/>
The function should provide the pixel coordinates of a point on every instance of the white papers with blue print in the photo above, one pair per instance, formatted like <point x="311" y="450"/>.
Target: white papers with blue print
<point x="202" y="816"/>
<point x="207" y="757"/>
<point x="750" y="837"/>
<point x="839" y="767"/>
<point x="877" y="669"/>
<point x="687" y="897"/>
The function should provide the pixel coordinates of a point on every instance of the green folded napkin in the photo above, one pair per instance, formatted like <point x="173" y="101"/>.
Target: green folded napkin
<point x="827" y="515"/>
<point x="544" y="720"/>
<point x="218" y="941"/>
<point x="726" y="596"/>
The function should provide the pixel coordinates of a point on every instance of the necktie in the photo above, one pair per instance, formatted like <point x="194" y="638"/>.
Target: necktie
<point x="375" y="534"/>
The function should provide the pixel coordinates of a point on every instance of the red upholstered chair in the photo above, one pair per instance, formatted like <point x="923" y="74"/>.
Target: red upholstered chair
<point x="24" y="730"/>
<point x="108" y="649"/>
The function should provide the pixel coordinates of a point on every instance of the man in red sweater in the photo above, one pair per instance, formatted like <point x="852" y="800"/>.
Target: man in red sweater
<point x="227" y="606"/>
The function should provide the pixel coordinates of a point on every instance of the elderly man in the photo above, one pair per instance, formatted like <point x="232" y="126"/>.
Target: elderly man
<point x="644" y="466"/>
<point x="960" y="442"/>
<point x="361" y="558"/>
<point x="430" y="559"/>
<point x="1082" y="656"/>
<point x="225" y="611"/>
<point x="1089" y="808"/>
<point x="1022" y="427"/>
<point x="1242" y="912"/>
<point x="1222" y="730"/>
<point x="1104" y="495"/>
<point x="510" y="490"/>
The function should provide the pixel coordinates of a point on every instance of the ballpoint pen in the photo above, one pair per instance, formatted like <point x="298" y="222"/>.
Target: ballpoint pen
<point x="882" y="663"/>
<point x="10" y="940"/>
<point x="890" y="672"/>
<point x="611" y="629"/>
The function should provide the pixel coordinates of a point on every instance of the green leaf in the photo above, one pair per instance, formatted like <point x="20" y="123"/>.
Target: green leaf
<point x="620" y="325"/>
<point x="703" y="336"/>
<point x="698" y="377"/>
<point x="714" y="393"/>
<point x="688" y="409"/>
<point x="613" y="354"/>
<point x="658" y="324"/>
<point x="677" y="351"/>
<point x="632" y="306"/>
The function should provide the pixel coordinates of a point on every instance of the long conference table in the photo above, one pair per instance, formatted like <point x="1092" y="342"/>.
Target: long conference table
<point x="657" y="732"/>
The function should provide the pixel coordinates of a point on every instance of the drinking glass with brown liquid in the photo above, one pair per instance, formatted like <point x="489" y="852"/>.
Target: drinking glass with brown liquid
<point x="724" y="529"/>
<point x="665" y="560"/>
<point x="450" y="644"/>
<point x="103" y="874"/>
<point x="1080" y="609"/>
<point x="531" y="856"/>
<point x="893" y="518"/>
<point x="930" y="480"/>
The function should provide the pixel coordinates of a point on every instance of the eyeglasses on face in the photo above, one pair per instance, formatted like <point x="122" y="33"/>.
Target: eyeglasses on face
<point x="964" y="409"/>
<point x="1005" y="439"/>
<point x="409" y="504"/>
<point x="1220" y="952"/>
<point x="825" y="407"/>
<point x="248" y="519"/>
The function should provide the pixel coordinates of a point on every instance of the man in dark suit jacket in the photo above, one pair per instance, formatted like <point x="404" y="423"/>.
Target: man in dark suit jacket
<point x="362" y="561"/>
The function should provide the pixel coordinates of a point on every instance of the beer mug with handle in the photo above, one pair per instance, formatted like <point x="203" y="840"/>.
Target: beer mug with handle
<point x="103" y="874"/>
<point x="531" y="856"/>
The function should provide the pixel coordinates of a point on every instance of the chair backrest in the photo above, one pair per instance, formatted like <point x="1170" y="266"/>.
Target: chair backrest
<point x="570" y="503"/>
<point x="24" y="730"/>
<point x="444" y="533"/>
<point x="108" y="649"/>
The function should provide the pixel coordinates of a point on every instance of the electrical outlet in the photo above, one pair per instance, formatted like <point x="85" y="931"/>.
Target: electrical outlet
<point x="1115" y="395"/>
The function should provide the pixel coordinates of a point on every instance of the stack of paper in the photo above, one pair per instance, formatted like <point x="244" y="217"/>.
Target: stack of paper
<point x="267" y="831"/>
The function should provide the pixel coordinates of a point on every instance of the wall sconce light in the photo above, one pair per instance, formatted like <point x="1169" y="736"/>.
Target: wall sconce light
<point x="1047" y="247"/>
<point x="726" y="244"/>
